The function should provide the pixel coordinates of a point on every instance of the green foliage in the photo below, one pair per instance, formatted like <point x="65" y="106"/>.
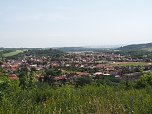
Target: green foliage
<point x="136" y="47"/>
<point x="7" y="87"/>
<point x="53" y="72"/>
<point x="107" y="80"/>
<point x="1" y="63"/>
<point x="50" y="74"/>
<point x="145" y="80"/>
<point x="87" y="98"/>
<point x="26" y="77"/>
<point x="68" y="100"/>
<point x="82" y="81"/>
<point x="53" y="53"/>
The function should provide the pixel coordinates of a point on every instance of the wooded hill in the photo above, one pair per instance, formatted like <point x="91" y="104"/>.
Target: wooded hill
<point x="145" y="46"/>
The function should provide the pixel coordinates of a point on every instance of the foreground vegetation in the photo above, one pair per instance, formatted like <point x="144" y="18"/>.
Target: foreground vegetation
<point x="84" y="97"/>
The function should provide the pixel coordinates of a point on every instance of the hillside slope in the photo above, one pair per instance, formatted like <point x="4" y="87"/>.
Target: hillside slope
<point x="146" y="46"/>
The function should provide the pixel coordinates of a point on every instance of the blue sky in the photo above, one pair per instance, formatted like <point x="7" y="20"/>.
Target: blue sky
<point x="54" y="23"/>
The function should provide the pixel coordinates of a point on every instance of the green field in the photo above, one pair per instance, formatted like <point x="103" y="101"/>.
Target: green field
<point x="13" y="53"/>
<point x="130" y="64"/>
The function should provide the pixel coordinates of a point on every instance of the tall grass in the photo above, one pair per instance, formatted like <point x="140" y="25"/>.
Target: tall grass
<point x="89" y="99"/>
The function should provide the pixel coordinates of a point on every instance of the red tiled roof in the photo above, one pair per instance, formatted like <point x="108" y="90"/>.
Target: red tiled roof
<point x="13" y="77"/>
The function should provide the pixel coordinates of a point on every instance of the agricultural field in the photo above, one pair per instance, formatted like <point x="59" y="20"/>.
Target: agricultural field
<point x="13" y="53"/>
<point x="130" y="63"/>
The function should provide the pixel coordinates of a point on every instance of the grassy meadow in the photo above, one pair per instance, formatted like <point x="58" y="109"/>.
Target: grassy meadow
<point x="13" y="53"/>
<point x="130" y="63"/>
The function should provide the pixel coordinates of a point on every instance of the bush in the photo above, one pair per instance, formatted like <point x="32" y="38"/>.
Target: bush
<point x="145" y="80"/>
<point x="82" y="81"/>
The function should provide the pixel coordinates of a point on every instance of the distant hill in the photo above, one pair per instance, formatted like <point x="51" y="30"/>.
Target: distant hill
<point x="79" y="49"/>
<point x="45" y="52"/>
<point x="146" y="46"/>
<point x="71" y="49"/>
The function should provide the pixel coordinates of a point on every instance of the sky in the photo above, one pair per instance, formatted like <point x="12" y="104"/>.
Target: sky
<point x="63" y="23"/>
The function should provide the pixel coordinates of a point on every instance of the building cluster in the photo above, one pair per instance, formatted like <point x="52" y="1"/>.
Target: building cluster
<point x="78" y="64"/>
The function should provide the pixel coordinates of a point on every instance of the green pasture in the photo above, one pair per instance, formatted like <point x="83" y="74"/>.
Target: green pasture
<point x="130" y="64"/>
<point x="13" y="53"/>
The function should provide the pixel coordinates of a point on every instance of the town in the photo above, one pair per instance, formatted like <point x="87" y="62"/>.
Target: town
<point x="75" y="57"/>
<point x="68" y="66"/>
